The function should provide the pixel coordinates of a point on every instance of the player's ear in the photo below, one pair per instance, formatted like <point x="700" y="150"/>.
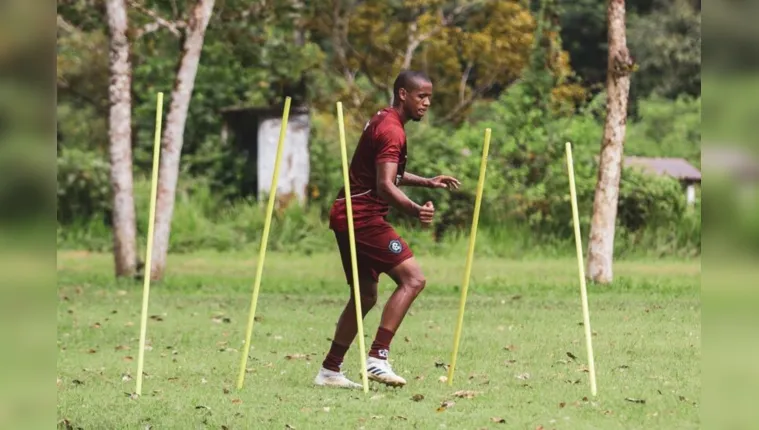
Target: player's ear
<point x="402" y="94"/>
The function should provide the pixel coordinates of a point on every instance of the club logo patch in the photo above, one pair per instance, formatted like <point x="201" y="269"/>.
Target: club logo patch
<point x="395" y="246"/>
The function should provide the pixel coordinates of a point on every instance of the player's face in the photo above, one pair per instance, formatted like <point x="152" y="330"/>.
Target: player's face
<point x="418" y="100"/>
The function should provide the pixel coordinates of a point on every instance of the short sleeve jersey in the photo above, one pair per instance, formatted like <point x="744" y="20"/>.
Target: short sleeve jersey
<point x="383" y="140"/>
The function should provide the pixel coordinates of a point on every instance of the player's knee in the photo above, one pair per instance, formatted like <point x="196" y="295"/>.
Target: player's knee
<point x="416" y="283"/>
<point x="368" y="301"/>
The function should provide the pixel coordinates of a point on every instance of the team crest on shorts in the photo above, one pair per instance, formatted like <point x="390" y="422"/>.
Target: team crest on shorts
<point x="395" y="246"/>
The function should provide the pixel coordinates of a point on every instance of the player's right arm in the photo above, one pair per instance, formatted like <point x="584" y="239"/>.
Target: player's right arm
<point x="389" y="192"/>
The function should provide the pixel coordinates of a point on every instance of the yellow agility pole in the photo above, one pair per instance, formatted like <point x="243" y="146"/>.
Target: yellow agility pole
<point x="149" y="250"/>
<point x="352" y="238"/>
<point x="580" y="267"/>
<point x="470" y="254"/>
<point x="264" y="240"/>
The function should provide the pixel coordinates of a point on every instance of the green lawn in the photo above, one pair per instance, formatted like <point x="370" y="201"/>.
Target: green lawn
<point x="522" y="320"/>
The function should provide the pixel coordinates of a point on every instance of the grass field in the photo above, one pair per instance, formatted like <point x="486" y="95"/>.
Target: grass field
<point x="513" y="369"/>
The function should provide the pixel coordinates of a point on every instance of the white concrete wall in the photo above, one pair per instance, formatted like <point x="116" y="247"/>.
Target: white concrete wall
<point x="690" y="194"/>
<point x="294" y="168"/>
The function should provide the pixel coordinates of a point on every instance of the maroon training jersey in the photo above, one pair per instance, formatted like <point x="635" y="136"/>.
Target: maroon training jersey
<point x="383" y="140"/>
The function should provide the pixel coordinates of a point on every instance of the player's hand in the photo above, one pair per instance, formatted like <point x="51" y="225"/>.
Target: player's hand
<point x="444" y="181"/>
<point x="426" y="213"/>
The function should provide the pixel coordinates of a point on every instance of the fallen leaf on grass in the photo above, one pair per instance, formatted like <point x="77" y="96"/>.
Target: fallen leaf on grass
<point x="236" y="401"/>
<point x="509" y="362"/>
<point x="92" y="351"/>
<point x="523" y="376"/>
<point x="443" y="379"/>
<point x="400" y="417"/>
<point x="466" y="394"/>
<point x="289" y="427"/>
<point x="128" y="358"/>
<point x="420" y="378"/>
<point x="634" y="400"/>
<point x="511" y="348"/>
<point x="77" y="382"/>
<point x="498" y="420"/>
<point x="126" y="377"/>
<point x="407" y="339"/>
<point x="445" y="405"/>
<point x="440" y="364"/>
<point x="297" y="356"/>
<point x="96" y="325"/>
<point x="122" y="348"/>
<point x="156" y="318"/>
<point x="572" y="356"/>
<point x="417" y="397"/>
<point x="202" y="407"/>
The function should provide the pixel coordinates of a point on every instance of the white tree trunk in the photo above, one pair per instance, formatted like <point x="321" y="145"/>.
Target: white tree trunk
<point x="120" y="137"/>
<point x="601" y="243"/>
<point x="173" y="138"/>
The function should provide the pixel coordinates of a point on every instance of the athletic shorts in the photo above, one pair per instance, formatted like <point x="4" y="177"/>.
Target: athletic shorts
<point x="378" y="250"/>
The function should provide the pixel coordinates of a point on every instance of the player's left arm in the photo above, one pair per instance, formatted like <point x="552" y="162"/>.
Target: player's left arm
<point x="441" y="181"/>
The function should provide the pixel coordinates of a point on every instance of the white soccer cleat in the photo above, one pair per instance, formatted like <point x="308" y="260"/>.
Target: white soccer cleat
<point x="330" y="378"/>
<point x="381" y="371"/>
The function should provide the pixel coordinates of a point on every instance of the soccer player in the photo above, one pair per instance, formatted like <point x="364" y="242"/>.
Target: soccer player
<point x="377" y="169"/>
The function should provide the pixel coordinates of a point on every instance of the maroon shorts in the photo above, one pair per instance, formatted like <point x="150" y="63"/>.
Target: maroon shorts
<point x="378" y="249"/>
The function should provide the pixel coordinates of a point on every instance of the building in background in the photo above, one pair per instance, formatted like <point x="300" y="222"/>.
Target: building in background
<point x="678" y="168"/>
<point x="255" y="131"/>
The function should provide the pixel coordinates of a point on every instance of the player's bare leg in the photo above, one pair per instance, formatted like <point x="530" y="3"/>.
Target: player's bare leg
<point x="410" y="280"/>
<point x="345" y="333"/>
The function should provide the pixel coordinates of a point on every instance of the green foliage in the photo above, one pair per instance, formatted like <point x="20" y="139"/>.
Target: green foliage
<point x="84" y="189"/>
<point x="667" y="128"/>
<point x="667" y="49"/>
<point x="520" y="84"/>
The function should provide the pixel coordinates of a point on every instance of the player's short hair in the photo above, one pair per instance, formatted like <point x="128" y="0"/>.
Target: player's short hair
<point x="408" y="79"/>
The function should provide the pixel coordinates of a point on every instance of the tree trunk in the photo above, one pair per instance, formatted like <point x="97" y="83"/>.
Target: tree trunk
<point x="173" y="138"/>
<point x="601" y="243"/>
<point x="120" y="137"/>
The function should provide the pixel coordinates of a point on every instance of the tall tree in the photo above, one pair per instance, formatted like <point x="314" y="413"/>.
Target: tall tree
<point x="173" y="135"/>
<point x="620" y="65"/>
<point x="120" y="137"/>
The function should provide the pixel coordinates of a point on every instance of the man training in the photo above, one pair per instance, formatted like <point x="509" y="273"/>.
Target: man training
<point x="377" y="169"/>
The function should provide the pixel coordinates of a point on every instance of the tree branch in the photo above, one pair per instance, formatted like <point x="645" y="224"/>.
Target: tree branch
<point x="66" y="26"/>
<point x="173" y="26"/>
<point x="464" y="79"/>
<point x="463" y="104"/>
